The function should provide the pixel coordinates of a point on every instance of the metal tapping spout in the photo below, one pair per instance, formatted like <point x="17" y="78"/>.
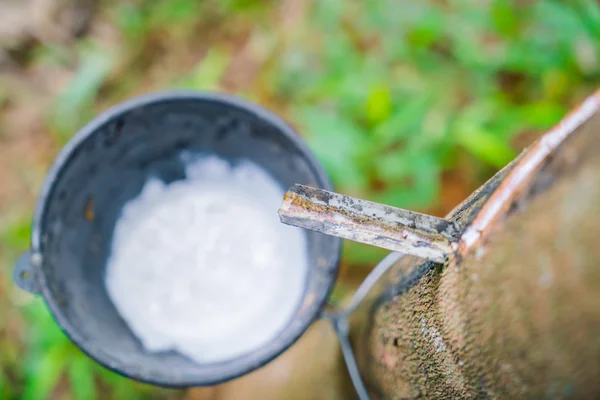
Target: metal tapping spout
<point x="371" y="223"/>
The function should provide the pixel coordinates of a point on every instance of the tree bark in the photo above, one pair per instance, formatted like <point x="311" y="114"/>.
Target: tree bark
<point x="515" y="313"/>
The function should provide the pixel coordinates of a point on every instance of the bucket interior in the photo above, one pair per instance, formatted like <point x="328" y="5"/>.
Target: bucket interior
<point x="107" y="168"/>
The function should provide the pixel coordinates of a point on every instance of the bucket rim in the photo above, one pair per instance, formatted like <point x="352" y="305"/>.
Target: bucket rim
<point x="238" y="366"/>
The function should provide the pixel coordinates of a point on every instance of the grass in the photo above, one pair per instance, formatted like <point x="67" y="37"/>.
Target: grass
<point x="394" y="96"/>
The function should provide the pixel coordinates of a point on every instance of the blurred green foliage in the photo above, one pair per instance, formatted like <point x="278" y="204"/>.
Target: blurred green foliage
<point x="390" y="94"/>
<point x="74" y="106"/>
<point x="402" y="88"/>
<point x="51" y="364"/>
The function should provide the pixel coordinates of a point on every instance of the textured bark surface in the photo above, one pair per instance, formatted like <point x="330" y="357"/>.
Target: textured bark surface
<point x="516" y="315"/>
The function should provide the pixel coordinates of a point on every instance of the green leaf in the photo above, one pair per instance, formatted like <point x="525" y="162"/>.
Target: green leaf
<point x="3" y="385"/>
<point x="81" y="376"/>
<point x="328" y="13"/>
<point x="556" y="83"/>
<point x="178" y="10"/>
<point x="46" y="372"/>
<point x="589" y="12"/>
<point x="123" y="388"/>
<point x="427" y="29"/>
<point x="338" y="143"/>
<point x="173" y="12"/>
<point x="542" y="114"/>
<point x="379" y="104"/>
<point x="362" y="254"/>
<point x="395" y="166"/>
<point x="413" y="198"/>
<point x="209" y="71"/>
<point x="354" y="90"/>
<point x="504" y="16"/>
<point x="241" y="6"/>
<point x="131" y="20"/>
<point x="73" y="106"/>
<point x="17" y="234"/>
<point x="415" y="185"/>
<point x="403" y="122"/>
<point x="485" y="145"/>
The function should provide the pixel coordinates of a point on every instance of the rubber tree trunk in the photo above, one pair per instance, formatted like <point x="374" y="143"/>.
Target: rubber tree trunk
<point x="515" y="313"/>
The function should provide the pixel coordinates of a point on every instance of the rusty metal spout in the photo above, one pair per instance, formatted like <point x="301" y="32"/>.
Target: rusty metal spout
<point x="371" y="223"/>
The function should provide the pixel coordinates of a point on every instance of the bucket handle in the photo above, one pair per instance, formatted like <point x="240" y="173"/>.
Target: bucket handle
<point x="339" y="320"/>
<point x="24" y="272"/>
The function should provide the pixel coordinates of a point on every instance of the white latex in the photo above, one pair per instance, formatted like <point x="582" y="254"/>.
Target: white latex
<point x="203" y="266"/>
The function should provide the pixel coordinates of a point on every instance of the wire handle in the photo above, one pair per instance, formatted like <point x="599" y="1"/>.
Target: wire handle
<point x="341" y="326"/>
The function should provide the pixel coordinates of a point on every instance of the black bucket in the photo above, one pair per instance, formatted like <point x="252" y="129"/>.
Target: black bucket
<point x="105" y="165"/>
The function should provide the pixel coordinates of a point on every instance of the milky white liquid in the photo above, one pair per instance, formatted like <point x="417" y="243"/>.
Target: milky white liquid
<point x="203" y="266"/>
